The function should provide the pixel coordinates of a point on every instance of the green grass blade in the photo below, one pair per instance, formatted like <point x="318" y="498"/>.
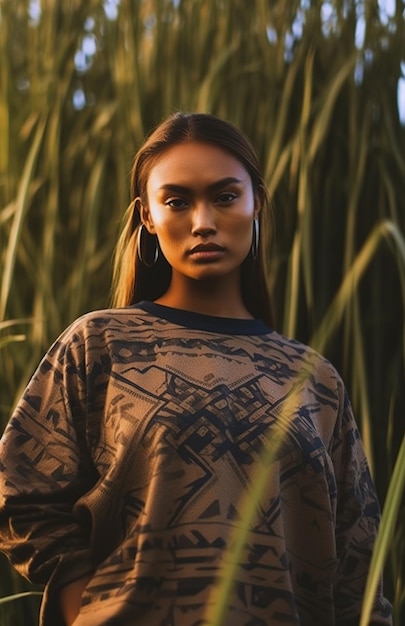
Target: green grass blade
<point x="18" y="596"/>
<point x="21" y="207"/>
<point x="385" y="534"/>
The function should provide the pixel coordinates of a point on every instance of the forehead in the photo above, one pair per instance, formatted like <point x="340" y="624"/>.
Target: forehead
<point x="195" y="163"/>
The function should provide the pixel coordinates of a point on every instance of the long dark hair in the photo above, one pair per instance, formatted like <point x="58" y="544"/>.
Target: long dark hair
<point x="134" y="281"/>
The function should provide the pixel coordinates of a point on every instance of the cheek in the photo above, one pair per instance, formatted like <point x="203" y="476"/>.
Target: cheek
<point x="159" y="220"/>
<point x="169" y="232"/>
<point x="242" y="237"/>
<point x="243" y="228"/>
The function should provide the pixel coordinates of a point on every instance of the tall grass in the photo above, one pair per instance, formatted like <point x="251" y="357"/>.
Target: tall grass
<point x="319" y="103"/>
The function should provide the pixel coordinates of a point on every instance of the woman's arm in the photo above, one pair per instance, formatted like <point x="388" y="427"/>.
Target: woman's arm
<point x="70" y="597"/>
<point x="45" y="468"/>
<point x="358" y="516"/>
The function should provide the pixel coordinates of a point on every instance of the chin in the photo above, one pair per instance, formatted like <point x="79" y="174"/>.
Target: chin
<point x="211" y="274"/>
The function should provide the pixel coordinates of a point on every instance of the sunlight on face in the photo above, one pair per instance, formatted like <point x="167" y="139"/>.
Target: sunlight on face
<point x="201" y="206"/>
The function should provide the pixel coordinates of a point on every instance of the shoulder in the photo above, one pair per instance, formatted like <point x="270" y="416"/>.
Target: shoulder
<point x="317" y="386"/>
<point x="102" y="320"/>
<point x="94" y="331"/>
<point x="305" y="356"/>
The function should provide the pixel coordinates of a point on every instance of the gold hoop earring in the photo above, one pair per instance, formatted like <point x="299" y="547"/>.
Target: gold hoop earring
<point x="254" y="249"/>
<point x="142" y="244"/>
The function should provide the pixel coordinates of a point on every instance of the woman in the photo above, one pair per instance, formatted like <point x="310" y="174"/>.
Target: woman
<point x="147" y="427"/>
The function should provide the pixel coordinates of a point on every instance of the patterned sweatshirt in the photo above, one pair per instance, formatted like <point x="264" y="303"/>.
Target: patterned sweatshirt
<point x="176" y="457"/>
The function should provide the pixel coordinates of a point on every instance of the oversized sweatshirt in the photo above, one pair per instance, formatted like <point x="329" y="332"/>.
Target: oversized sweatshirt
<point x="184" y="460"/>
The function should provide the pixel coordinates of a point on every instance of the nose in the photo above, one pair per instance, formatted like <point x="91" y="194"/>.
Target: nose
<point x="203" y="223"/>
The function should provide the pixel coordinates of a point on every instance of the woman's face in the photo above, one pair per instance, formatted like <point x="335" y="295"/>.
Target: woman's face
<point x="201" y="206"/>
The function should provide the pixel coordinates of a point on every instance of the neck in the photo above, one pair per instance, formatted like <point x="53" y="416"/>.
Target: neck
<point x="206" y="297"/>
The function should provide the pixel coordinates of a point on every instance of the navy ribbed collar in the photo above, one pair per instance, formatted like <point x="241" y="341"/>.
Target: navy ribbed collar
<point x="199" y="321"/>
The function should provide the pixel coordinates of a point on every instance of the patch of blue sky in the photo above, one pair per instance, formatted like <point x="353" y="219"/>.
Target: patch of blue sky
<point x="111" y="9"/>
<point x="34" y="11"/>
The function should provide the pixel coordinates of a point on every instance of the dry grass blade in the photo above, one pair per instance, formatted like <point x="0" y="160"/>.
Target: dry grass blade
<point x="263" y="475"/>
<point x="21" y="207"/>
<point x="350" y="282"/>
<point x="324" y="115"/>
<point x="19" y="596"/>
<point x="385" y="536"/>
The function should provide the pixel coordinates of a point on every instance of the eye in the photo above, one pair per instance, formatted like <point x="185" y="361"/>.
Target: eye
<point x="176" y="203"/>
<point x="226" y="197"/>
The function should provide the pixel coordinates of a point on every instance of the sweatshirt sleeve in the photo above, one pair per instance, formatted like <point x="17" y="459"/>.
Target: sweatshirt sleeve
<point x="45" y="467"/>
<point x="358" y="517"/>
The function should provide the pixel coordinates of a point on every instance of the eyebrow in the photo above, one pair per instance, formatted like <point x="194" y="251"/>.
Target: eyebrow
<point x="213" y="187"/>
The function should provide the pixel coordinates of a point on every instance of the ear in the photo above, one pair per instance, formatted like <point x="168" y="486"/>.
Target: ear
<point x="257" y="205"/>
<point x="145" y="216"/>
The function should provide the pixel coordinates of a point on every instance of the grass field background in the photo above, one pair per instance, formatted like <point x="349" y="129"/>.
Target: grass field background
<point x="315" y="86"/>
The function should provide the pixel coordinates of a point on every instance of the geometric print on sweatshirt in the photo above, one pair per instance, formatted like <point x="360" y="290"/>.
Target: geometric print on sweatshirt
<point x="202" y="417"/>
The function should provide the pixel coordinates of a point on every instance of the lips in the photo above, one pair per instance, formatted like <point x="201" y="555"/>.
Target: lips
<point x="206" y="253"/>
<point x="206" y="247"/>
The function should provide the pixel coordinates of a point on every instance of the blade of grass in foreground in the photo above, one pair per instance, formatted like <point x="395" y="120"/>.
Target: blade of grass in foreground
<point x="18" y="596"/>
<point x="218" y="603"/>
<point x="384" y="538"/>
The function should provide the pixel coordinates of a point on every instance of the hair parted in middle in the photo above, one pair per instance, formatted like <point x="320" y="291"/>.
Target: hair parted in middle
<point x="133" y="280"/>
